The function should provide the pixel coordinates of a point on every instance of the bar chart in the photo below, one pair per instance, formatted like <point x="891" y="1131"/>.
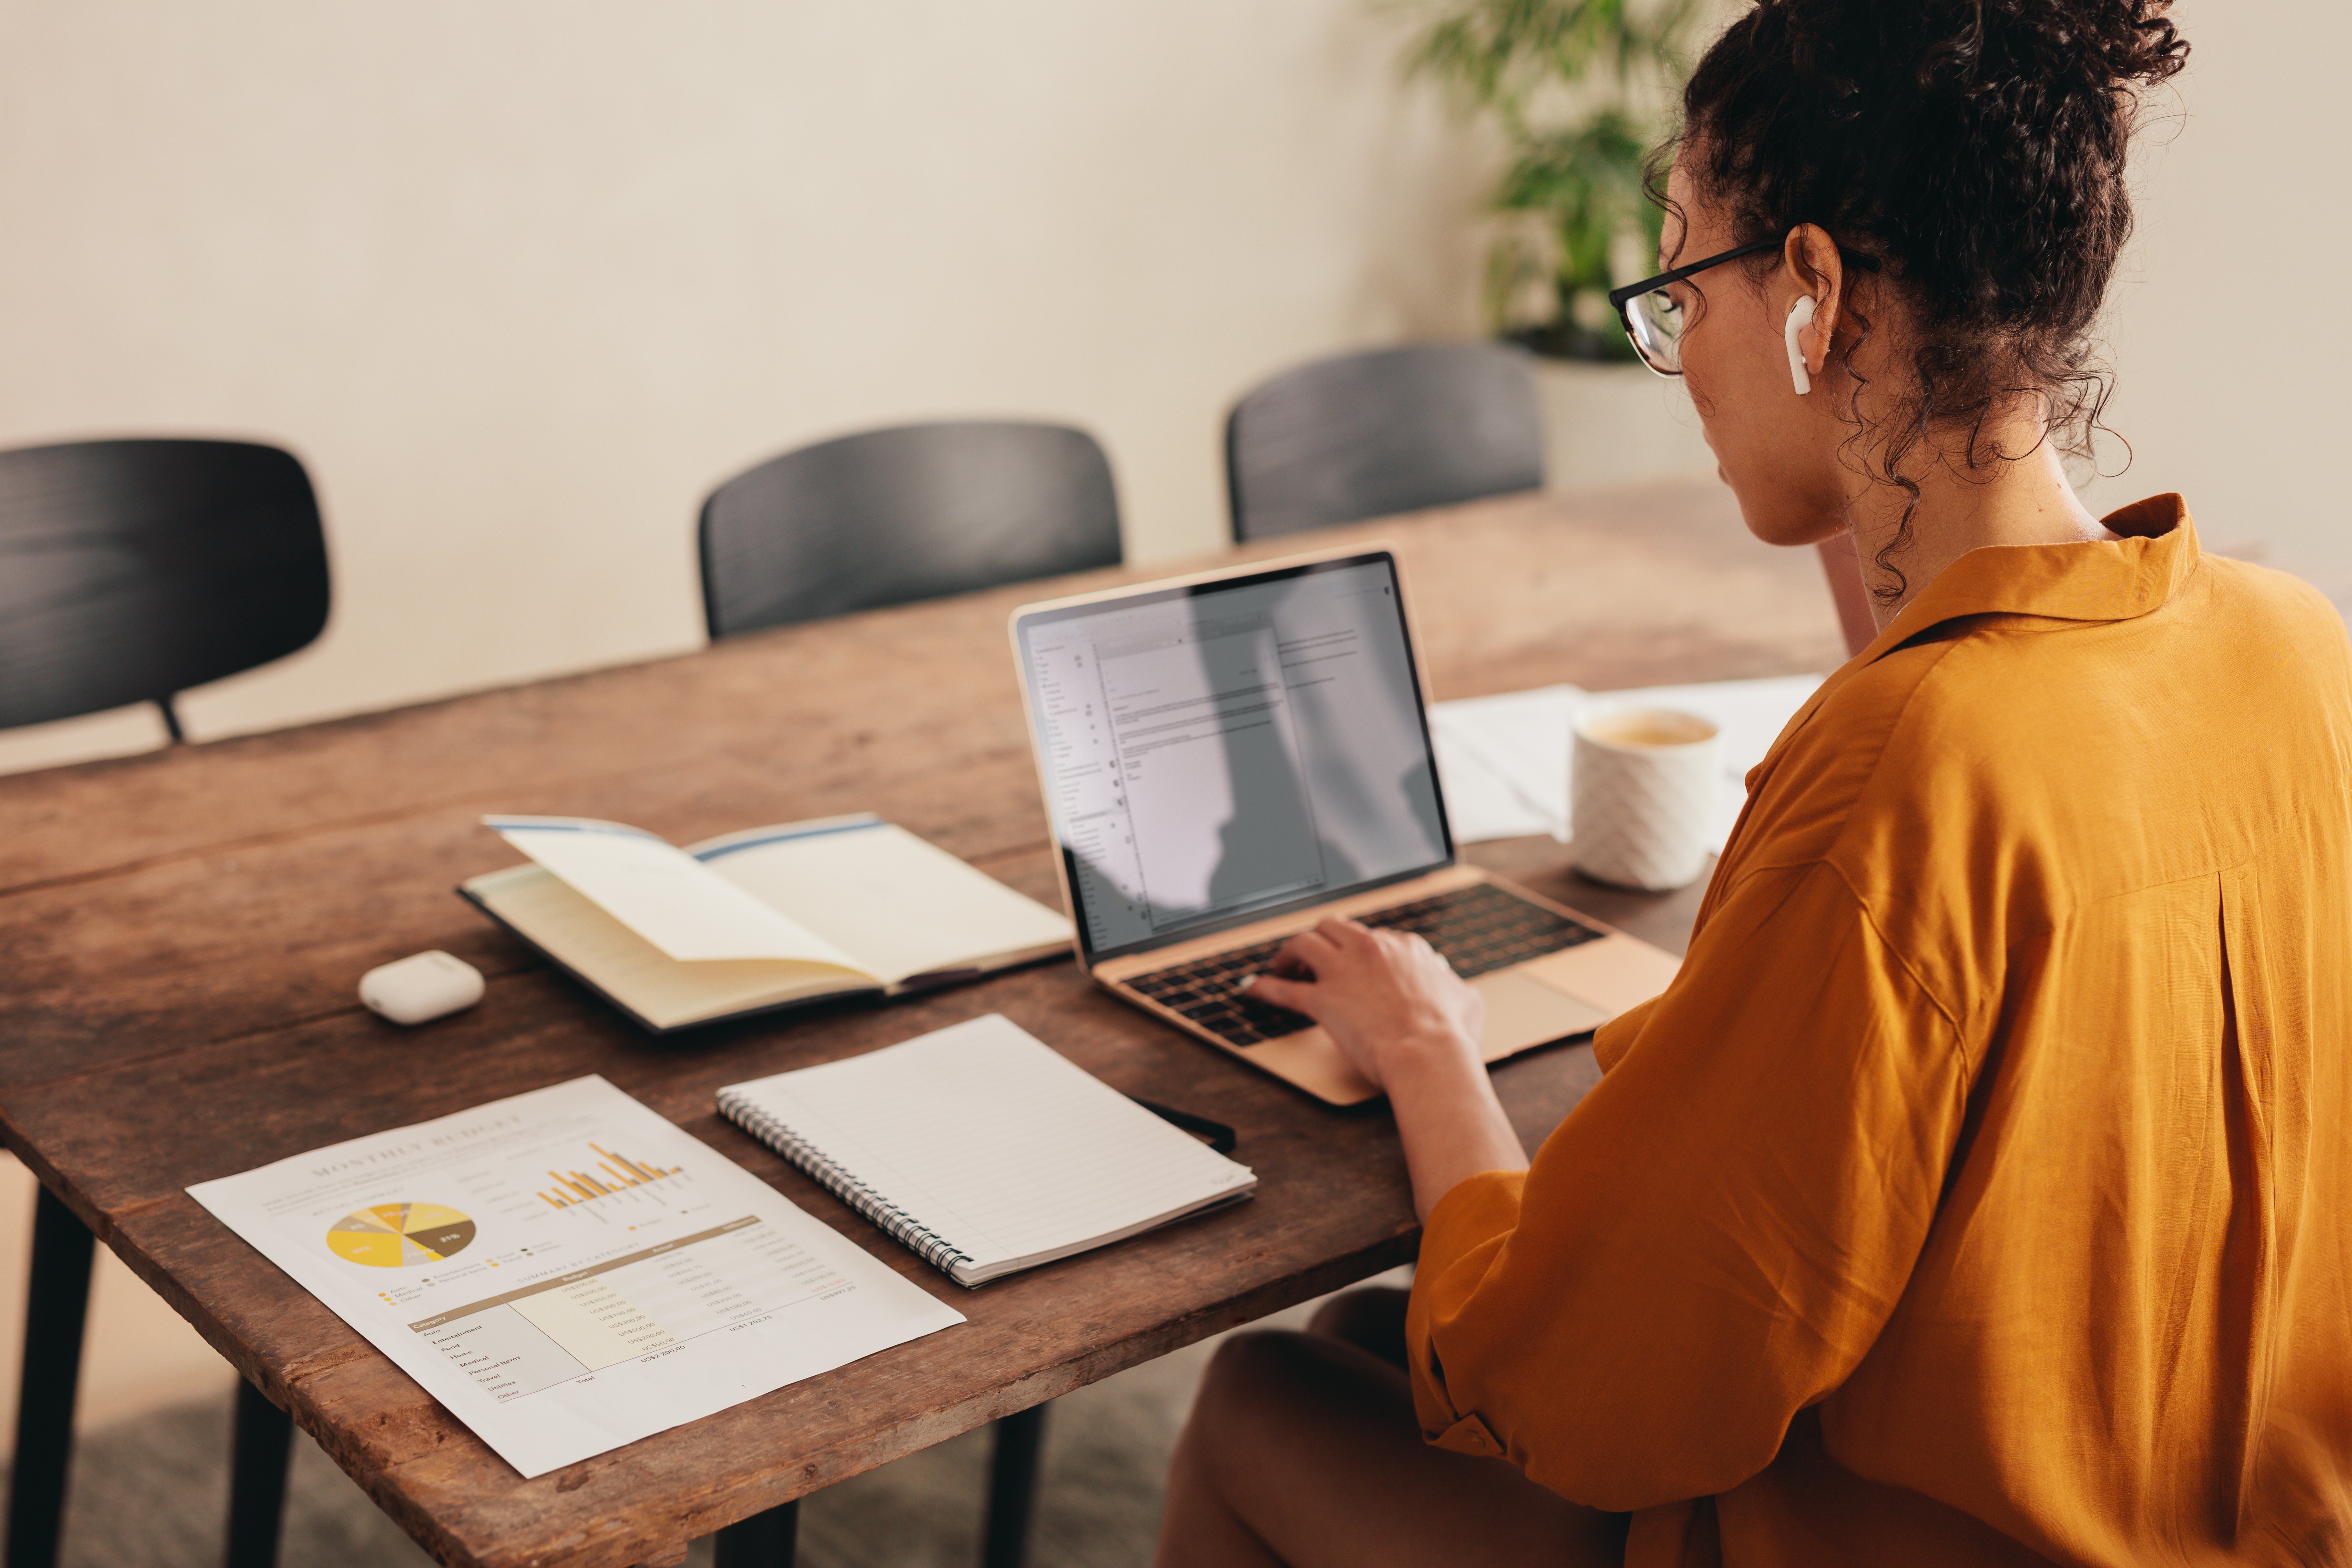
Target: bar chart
<point x="610" y="1174"/>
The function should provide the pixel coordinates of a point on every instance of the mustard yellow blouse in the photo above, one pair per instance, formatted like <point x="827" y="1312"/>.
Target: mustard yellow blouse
<point x="1982" y="1190"/>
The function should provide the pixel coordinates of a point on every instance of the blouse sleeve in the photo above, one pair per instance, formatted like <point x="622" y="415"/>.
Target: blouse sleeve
<point x="1713" y="1238"/>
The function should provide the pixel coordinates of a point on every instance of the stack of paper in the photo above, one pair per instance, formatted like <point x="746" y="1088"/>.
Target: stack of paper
<point x="1504" y="760"/>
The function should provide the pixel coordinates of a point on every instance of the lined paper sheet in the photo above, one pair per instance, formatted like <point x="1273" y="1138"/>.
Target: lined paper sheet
<point x="1520" y="743"/>
<point x="986" y="1137"/>
<point x="1508" y="755"/>
<point x="903" y="906"/>
<point x="664" y="894"/>
<point x="579" y="935"/>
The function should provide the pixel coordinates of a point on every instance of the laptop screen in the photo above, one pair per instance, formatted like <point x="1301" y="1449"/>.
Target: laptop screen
<point x="1220" y="751"/>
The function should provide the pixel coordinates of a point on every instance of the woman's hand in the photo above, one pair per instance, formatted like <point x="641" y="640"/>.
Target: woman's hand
<point x="1406" y="1021"/>
<point x="1383" y="996"/>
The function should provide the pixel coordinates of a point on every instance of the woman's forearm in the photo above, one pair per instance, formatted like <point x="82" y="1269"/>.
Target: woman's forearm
<point x="1451" y="1124"/>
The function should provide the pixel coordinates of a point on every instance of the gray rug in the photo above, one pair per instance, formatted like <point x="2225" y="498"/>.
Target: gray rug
<point x="152" y="1493"/>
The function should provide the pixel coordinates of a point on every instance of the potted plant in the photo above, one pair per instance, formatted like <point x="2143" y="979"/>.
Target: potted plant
<point x="1577" y="88"/>
<point x="1579" y="91"/>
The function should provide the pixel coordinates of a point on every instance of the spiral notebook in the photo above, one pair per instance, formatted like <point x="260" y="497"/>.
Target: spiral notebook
<point x="983" y="1150"/>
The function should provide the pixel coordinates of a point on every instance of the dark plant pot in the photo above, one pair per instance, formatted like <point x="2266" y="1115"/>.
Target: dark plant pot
<point x="1568" y="340"/>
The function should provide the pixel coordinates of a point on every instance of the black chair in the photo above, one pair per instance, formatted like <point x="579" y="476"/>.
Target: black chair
<point x="915" y="512"/>
<point x="1390" y="430"/>
<point x="131" y="571"/>
<point x="888" y="517"/>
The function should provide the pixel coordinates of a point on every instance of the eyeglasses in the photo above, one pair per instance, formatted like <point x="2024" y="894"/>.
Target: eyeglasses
<point x="1656" y="322"/>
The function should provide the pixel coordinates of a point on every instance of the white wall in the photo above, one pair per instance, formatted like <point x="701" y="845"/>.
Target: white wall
<point x="521" y="281"/>
<point x="2231" y="326"/>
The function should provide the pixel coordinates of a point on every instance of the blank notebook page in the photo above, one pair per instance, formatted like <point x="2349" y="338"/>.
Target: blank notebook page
<point x="986" y="1137"/>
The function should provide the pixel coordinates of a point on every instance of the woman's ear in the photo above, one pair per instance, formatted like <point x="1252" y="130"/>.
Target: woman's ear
<point x="1811" y="269"/>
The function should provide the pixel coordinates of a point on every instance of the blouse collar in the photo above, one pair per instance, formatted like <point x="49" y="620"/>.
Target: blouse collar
<point x="2092" y="579"/>
<point x="2095" y="580"/>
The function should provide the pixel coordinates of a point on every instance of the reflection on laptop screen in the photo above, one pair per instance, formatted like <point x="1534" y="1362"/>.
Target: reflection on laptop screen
<point x="1218" y="751"/>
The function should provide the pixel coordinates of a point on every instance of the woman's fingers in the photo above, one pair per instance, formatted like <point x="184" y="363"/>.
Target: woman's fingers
<point x="1297" y="961"/>
<point x="1335" y="949"/>
<point x="1306" y="961"/>
<point x="1298" y="996"/>
<point x="1340" y="933"/>
<point x="1323" y="951"/>
<point x="1377" y="993"/>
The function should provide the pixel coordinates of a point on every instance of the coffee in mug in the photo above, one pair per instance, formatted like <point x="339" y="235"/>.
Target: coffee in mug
<point x="1641" y="797"/>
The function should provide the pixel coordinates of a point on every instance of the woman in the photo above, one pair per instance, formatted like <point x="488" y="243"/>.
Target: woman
<point x="1978" y="1192"/>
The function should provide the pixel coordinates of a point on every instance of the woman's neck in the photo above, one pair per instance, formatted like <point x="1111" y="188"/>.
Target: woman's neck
<point x="2028" y="501"/>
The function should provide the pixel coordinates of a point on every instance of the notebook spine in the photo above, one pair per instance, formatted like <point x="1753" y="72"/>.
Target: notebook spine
<point x="911" y="1232"/>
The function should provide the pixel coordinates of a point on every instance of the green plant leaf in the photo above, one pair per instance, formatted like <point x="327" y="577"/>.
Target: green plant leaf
<point x="1563" y="78"/>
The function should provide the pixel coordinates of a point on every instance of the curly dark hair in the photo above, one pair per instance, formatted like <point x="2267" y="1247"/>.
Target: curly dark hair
<point x="1976" y="148"/>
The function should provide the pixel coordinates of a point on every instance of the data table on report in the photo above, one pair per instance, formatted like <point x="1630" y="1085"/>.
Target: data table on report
<point x="568" y="1271"/>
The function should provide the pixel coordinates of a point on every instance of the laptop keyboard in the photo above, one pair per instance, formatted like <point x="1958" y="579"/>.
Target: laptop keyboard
<point x="1477" y="928"/>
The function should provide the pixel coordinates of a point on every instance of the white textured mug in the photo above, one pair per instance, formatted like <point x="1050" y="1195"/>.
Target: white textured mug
<point x="1642" y="796"/>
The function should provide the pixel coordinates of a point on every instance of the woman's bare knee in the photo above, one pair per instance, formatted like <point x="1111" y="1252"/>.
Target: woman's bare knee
<point x="1249" y="1377"/>
<point x="1305" y="1449"/>
<point x="1203" y="1525"/>
<point x="1233" y="1369"/>
<point x="1370" y="1318"/>
<point x="1255" y="1415"/>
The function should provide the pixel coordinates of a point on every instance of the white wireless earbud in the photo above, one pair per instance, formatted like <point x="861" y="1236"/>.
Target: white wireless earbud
<point x="1801" y="316"/>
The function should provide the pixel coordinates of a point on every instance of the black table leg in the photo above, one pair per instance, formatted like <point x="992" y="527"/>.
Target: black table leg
<point x="764" y="1540"/>
<point x="263" y="1444"/>
<point x="1013" y="1488"/>
<point x="58" y="1301"/>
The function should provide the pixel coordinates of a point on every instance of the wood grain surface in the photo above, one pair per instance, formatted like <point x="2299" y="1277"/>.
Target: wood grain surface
<point x="186" y="931"/>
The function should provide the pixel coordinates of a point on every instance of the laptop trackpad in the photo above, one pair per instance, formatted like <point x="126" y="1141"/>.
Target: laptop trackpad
<point x="1613" y="973"/>
<point x="1522" y="1012"/>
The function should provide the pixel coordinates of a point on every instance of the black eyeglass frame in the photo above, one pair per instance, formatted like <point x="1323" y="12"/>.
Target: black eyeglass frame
<point x="1620" y="298"/>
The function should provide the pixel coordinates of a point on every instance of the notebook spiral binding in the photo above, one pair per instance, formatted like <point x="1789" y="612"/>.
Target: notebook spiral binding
<point x="911" y="1232"/>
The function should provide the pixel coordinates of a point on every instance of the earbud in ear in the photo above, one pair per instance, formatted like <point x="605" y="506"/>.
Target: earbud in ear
<point x="1801" y="316"/>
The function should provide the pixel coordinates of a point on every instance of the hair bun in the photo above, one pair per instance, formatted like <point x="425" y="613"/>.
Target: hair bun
<point x="2116" y="45"/>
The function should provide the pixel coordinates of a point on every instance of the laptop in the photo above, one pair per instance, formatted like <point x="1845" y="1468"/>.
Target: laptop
<point x="1231" y="757"/>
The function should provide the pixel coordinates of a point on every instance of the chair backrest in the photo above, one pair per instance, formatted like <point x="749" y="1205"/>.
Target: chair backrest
<point x="1391" y="430"/>
<point x="914" y="512"/>
<point x="133" y="570"/>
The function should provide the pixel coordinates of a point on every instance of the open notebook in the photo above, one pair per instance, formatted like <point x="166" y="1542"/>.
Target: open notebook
<point x="755" y="919"/>
<point x="983" y="1150"/>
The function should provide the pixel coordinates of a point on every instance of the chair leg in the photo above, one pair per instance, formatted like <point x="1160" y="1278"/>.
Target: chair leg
<point x="58" y="1304"/>
<point x="261" y="1446"/>
<point x="1020" y="1438"/>
<point x="764" y="1540"/>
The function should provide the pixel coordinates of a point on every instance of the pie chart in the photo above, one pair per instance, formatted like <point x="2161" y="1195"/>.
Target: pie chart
<point x="400" y="1235"/>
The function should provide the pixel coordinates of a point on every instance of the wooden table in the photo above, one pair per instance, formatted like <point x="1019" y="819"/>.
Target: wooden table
<point x="185" y="930"/>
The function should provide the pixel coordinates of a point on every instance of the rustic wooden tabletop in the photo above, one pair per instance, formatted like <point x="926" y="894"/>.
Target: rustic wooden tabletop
<point x="185" y="931"/>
